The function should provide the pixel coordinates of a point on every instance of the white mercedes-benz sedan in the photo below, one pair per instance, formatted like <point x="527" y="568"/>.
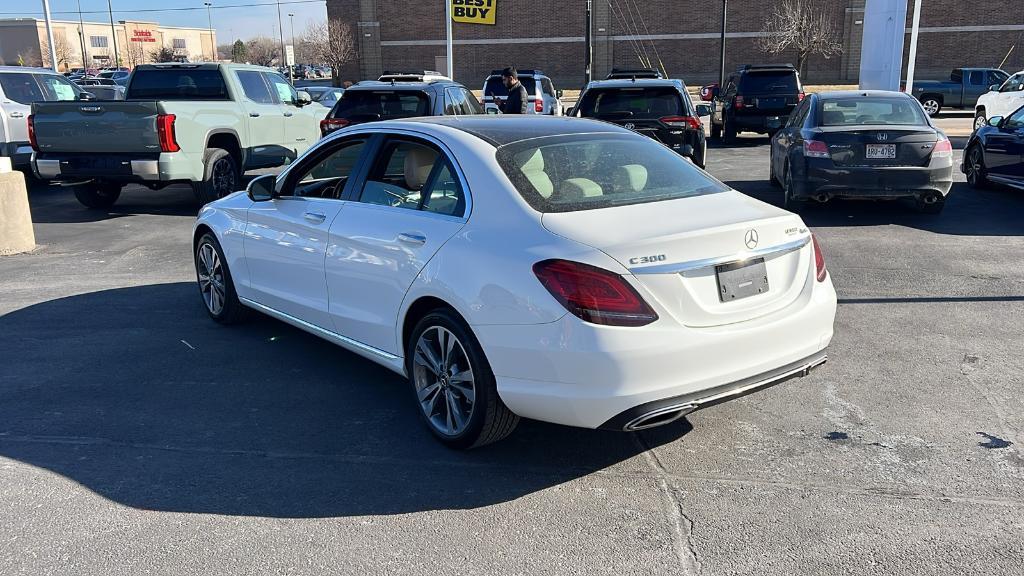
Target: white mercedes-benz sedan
<point x="560" y="269"/>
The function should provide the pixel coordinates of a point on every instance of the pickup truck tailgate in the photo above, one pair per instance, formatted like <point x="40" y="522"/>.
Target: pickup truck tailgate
<point x="97" y="126"/>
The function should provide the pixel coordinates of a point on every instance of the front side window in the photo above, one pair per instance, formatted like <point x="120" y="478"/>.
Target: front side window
<point x="255" y="87"/>
<point x="619" y="103"/>
<point x="57" y="88"/>
<point x="285" y="92"/>
<point x="977" y="77"/>
<point x="453" y="101"/>
<point x="414" y="176"/>
<point x="470" y="105"/>
<point x="878" y="111"/>
<point x="1015" y="121"/>
<point x="996" y="77"/>
<point x="589" y="171"/>
<point x="327" y="178"/>
<point x="1013" y="83"/>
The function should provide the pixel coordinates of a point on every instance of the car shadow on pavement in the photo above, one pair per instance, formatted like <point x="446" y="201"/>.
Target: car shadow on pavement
<point x="136" y="395"/>
<point x="57" y="205"/>
<point x="968" y="212"/>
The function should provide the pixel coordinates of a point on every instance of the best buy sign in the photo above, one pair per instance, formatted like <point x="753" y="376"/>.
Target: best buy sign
<point x="473" y="11"/>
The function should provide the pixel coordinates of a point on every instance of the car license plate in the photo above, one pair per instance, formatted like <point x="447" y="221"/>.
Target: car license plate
<point x="774" y="122"/>
<point x="880" y="151"/>
<point x="741" y="279"/>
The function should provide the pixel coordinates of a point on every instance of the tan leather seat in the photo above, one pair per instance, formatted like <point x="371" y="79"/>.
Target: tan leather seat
<point x="419" y="161"/>
<point x="533" y="169"/>
<point x="629" y="178"/>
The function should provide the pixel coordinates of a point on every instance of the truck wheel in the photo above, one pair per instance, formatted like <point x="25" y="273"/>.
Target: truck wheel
<point x="716" y="130"/>
<point x="98" y="195"/>
<point x="220" y="176"/>
<point x="728" y="131"/>
<point x="932" y="105"/>
<point x="980" y="119"/>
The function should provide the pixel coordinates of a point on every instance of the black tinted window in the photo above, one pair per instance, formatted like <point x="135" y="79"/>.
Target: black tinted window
<point x="860" y="110"/>
<point x="21" y="88"/>
<point x="769" y="82"/>
<point x="381" y="104"/>
<point x="631" y="103"/>
<point x="494" y="86"/>
<point x="177" y="84"/>
<point x="977" y="77"/>
<point x="255" y="87"/>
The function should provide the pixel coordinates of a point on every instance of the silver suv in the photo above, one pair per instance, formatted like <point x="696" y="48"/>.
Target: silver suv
<point x="19" y="88"/>
<point x="544" y="99"/>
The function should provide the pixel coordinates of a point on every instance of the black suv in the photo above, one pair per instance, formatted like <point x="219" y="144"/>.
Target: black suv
<point x="658" y="108"/>
<point x="370" y="101"/>
<point x="756" y="98"/>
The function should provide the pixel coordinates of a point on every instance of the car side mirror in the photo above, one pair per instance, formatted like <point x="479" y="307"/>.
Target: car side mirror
<point x="302" y="98"/>
<point x="261" y="188"/>
<point x="558" y="93"/>
<point x="995" y="121"/>
<point x="703" y="110"/>
<point x="86" y="96"/>
<point x="993" y="88"/>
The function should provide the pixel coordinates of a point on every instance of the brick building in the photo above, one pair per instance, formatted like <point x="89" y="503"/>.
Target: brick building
<point x="409" y="34"/>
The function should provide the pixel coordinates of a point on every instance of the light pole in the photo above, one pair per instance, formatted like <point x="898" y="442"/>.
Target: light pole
<point x="448" y="38"/>
<point x="280" y="29"/>
<point x="113" y="34"/>
<point x="589" y="39"/>
<point x="49" y="35"/>
<point x="81" y="36"/>
<point x="209" y="20"/>
<point x="721" y="72"/>
<point x="291" y="19"/>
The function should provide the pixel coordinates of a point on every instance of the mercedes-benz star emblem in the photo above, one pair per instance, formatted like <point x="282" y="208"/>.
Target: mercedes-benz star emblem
<point x="629" y="125"/>
<point x="750" y="239"/>
<point x="882" y="136"/>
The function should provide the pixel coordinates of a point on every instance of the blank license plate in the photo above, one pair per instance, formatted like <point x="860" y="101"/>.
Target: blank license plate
<point x="880" y="151"/>
<point x="742" y="279"/>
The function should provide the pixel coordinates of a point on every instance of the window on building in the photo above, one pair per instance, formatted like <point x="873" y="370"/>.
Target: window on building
<point x="179" y="44"/>
<point x="98" y="41"/>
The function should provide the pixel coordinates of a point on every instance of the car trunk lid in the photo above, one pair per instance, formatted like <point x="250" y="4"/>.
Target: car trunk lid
<point x="684" y="251"/>
<point x="96" y="126"/>
<point x="881" y="146"/>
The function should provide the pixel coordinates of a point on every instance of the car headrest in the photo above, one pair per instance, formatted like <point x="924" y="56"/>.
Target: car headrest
<point x="533" y="169"/>
<point x="833" y="118"/>
<point x="419" y="161"/>
<point x="629" y="178"/>
<point x="534" y="163"/>
<point x="575" y="189"/>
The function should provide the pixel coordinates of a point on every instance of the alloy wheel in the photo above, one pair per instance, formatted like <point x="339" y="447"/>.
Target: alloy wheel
<point x="974" y="166"/>
<point x="223" y="177"/>
<point x="931" y="106"/>
<point x="443" y="377"/>
<point x="211" y="278"/>
<point x="979" y="121"/>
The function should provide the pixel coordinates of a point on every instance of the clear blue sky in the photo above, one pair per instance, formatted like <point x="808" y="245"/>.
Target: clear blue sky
<point x="235" y="19"/>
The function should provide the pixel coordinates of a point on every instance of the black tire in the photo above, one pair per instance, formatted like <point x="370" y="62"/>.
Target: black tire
<point x="98" y="195"/>
<point x="980" y="119"/>
<point x="489" y="420"/>
<point x="932" y="105"/>
<point x="771" y="168"/>
<point x="231" y="310"/>
<point x="934" y="206"/>
<point x="716" y="131"/>
<point x="788" y="201"/>
<point x="220" y="176"/>
<point x="728" y="131"/>
<point x="974" y="168"/>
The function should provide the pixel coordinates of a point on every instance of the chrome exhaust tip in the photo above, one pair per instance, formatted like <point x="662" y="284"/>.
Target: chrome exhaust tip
<point x="822" y="198"/>
<point x="659" y="417"/>
<point x="930" y="198"/>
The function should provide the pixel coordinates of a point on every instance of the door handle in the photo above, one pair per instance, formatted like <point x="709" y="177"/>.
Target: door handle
<point x="315" y="217"/>
<point x="412" y="238"/>
<point x="254" y="114"/>
<point x="287" y="114"/>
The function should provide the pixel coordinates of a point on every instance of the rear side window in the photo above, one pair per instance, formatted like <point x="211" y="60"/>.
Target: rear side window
<point x="494" y="87"/>
<point x="589" y="171"/>
<point x="632" y="103"/>
<point x="177" y="84"/>
<point x="363" y="105"/>
<point x="21" y="87"/>
<point x="770" y="82"/>
<point x="878" y="111"/>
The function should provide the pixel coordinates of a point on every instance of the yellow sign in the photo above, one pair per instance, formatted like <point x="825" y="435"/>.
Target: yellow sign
<point x="473" y="11"/>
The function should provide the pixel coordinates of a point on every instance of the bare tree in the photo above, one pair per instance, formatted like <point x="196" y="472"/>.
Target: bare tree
<point x="162" y="54"/>
<point x="332" y="43"/>
<point x="262" y="51"/>
<point x="134" y="54"/>
<point x="63" y="50"/>
<point x="802" y="25"/>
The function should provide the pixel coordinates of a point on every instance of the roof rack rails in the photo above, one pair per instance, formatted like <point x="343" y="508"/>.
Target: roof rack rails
<point x="523" y="72"/>
<point x="765" y="66"/>
<point x="634" y="73"/>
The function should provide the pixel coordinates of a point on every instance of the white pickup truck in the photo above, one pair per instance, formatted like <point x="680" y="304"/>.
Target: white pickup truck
<point x="1000" y="100"/>
<point x="203" y="124"/>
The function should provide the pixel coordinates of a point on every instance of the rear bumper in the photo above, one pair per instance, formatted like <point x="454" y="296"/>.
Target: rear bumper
<point x="578" y="374"/>
<point x="164" y="167"/>
<point x="20" y="153"/>
<point x="762" y="123"/>
<point x="821" y="177"/>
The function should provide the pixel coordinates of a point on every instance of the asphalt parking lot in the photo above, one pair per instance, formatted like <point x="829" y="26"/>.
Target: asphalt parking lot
<point x="137" y="436"/>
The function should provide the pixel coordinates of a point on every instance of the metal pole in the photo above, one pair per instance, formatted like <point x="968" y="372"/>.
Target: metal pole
<point x="209" y="20"/>
<point x="721" y="72"/>
<point x="291" y="19"/>
<point x="280" y="29"/>
<point x="81" y="36"/>
<point x="913" y="47"/>
<point x="448" y="38"/>
<point x="588" y="58"/>
<point x="49" y="35"/>
<point x="113" y="32"/>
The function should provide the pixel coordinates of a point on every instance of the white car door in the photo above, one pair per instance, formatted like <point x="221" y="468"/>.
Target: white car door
<point x="286" y="238"/>
<point x="411" y="202"/>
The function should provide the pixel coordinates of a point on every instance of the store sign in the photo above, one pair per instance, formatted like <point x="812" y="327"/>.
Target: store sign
<point x="473" y="11"/>
<point x="142" y="36"/>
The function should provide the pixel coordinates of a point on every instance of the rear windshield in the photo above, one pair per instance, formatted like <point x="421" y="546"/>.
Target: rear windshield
<point x="26" y="88"/>
<point x="587" y="171"/>
<point x="494" y="87"/>
<point x="770" y="82"/>
<point x="381" y="104"/>
<point x="613" y="103"/>
<point x="177" y="84"/>
<point x="862" y="110"/>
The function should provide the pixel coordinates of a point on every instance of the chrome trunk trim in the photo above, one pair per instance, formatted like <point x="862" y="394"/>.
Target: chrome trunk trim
<point x="678" y="267"/>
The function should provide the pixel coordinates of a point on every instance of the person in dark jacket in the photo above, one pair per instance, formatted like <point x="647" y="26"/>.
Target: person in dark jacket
<point x="517" y="99"/>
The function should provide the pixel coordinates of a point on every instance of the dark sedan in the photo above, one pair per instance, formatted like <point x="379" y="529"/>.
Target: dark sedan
<point x="995" y="152"/>
<point x="874" y="145"/>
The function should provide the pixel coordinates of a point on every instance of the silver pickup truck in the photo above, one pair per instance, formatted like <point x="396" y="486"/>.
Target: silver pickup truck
<point x="203" y="124"/>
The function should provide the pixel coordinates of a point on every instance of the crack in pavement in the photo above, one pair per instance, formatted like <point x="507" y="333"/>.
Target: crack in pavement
<point x="680" y="523"/>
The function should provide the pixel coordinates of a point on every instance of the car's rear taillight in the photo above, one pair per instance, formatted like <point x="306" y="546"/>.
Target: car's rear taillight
<point x="328" y="125"/>
<point x="32" y="132"/>
<point x="594" y="294"/>
<point x="681" y="122"/>
<point x="538" y="105"/>
<point x="819" y="260"/>
<point x="943" y="148"/>
<point x="800" y="97"/>
<point x="815" y="149"/>
<point x="165" y="133"/>
<point x="738" y="103"/>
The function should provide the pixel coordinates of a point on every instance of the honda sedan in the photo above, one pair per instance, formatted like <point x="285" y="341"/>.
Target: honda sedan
<point x="560" y="269"/>
<point x="867" y="145"/>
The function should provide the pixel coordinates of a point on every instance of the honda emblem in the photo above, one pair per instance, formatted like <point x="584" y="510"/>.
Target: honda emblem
<point x="882" y="136"/>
